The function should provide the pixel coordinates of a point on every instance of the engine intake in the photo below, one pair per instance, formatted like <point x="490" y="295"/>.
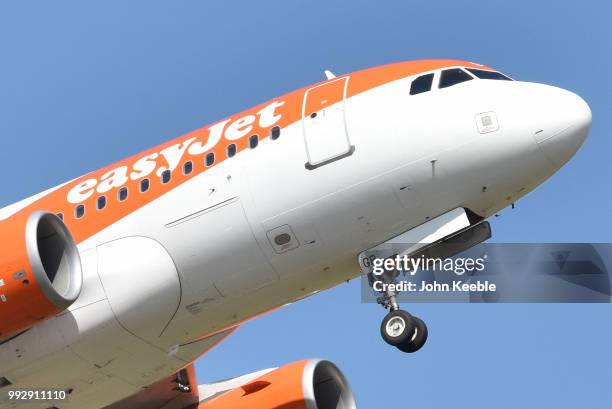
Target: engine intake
<point x="325" y="387"/>
<point x="40" y="270"/>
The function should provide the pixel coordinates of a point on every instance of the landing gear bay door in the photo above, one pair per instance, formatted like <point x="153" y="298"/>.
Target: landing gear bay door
<point x="416" y="239"/>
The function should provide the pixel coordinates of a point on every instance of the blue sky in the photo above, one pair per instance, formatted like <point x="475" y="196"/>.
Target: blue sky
<point x="82" y="85"/>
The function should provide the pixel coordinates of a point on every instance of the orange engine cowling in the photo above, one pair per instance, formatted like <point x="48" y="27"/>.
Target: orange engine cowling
<point x="40" y="270"/>
<point x="310" y="384"/>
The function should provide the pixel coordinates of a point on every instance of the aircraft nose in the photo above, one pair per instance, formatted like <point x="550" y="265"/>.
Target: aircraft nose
<point x="565" y="124"/>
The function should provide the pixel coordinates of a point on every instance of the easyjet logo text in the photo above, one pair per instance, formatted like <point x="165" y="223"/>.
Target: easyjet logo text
<point x="170" y="157"/>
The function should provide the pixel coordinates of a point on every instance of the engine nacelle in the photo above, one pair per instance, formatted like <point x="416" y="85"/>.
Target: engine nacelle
<point x="310" y="384"/>
<point x="40" y="271"/>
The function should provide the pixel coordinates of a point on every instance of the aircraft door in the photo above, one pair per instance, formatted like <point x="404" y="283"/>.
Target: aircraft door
<point x="324" y="125"/>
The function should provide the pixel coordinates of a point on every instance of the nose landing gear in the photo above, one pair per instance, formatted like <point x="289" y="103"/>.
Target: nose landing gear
<point x="441" y="237"/>
<point x="400" y="329"/>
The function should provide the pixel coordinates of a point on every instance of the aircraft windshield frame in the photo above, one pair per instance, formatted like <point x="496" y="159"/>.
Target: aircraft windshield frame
<point x="488" y="75"/>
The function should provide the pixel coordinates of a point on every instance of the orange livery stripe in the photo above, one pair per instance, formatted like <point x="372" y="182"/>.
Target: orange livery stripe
<point x="194" y="146"/>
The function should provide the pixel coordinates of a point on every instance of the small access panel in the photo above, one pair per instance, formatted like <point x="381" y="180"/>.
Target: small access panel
<point x="323" y="117"/>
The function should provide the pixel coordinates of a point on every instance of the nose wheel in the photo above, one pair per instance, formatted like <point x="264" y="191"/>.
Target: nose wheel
<point x="403" y="331"/>
<point x="399" y="329"/>
<point x="418" y="339"/>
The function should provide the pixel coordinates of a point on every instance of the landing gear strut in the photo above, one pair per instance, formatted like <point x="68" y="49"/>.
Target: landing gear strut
<point x="398" y="328"/>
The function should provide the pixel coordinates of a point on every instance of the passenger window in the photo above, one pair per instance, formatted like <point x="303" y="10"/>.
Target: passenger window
<point x="165" y="176"/>
<point x="231" y="150"/>
<point x="187" y="167"/>
<point x="101" y="202"/>
<point x="144" y="185"/>
<point x="453" y="76"/>
<point x="253" y="141"/>
<point x="488" y="75"/>
<point x="421" y="84"/>
<point x="210" y="159"/>
<point x="79" y="211"/>
<point x="122" y="194"/>
<point x="275" y="133"/>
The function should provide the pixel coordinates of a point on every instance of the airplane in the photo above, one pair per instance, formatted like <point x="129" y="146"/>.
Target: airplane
<point x="114" y="283"/>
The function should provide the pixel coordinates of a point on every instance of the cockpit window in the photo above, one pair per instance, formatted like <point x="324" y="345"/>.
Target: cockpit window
<point x="421" y="84"/>
<point x="488" y="75"/>
<point x="453" y="76"/>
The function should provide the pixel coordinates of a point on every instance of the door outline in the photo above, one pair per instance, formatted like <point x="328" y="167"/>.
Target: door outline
<point x="351" y="148"/>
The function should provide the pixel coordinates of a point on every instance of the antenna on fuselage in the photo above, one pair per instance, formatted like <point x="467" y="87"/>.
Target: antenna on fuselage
<point x="329" y="75"/>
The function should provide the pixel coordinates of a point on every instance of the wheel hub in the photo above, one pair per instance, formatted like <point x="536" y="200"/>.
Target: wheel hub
<point x="395" y="327"/>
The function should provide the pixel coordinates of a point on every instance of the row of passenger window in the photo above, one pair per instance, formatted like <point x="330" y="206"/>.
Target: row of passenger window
<point x="166" y="176"/>
<point x="452" y="76"/>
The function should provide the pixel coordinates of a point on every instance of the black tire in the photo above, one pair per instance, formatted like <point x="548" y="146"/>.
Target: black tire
<point x="400" y="318"/>
<point x="414" y="344"/>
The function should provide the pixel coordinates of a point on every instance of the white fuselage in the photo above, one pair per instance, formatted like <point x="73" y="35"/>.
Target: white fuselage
<point x="170" y="280"/>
